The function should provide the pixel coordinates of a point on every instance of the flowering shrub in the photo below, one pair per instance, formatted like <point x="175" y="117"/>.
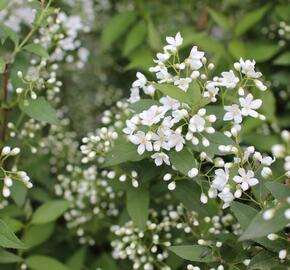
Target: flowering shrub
<point x="190" y="170"/>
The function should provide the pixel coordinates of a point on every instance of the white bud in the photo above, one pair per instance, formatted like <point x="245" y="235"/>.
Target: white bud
<point x="15" y="151"/>
<point x="210" y="66"/>
<point x="282" y="254"/>
<point x="171" y="186"/>
<point x="203" y="198"/>
<point x="272" y="236"/>
<point x="266" y="172"/>
<point x="268" y="214"/>
<point x="5" y="151"/>
<point x="193" y="172"/>
<point x="8" y="181"/>
<point x="19" y="90"/>
<point x="167" y="177"/>
<point x="237" y="66"/>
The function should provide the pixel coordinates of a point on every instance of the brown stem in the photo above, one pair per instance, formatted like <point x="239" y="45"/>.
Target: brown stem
<point x="4" y="99"/>
<point x="203" y="19"/>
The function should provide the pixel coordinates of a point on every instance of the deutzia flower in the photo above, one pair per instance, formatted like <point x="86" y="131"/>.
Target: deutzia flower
<point x="248" y="68"/>
<point x="130" y="127"/>
<point x="140" y="82"/>
<point x="159" y="158"/>
<point x="176" y="140"/>
<point x="226" y="196"/>
<point x="169" y="103"/>
<point x="246" y="179"/>
<point x="183" y="83"/>
<point x="229" y="80"/>
<point x="160" y="140"/>
<point x="196" y="123"/>
<point x="142" y="140"/>
<point x="221" y="179"/>
<point x="174" y="42"/>
<point x="233" y="113"/>
<point x="194" y="59"/>
<point x="249" y="105"/>
<point x="134" y="95"/>
<point x="151" y="116"/>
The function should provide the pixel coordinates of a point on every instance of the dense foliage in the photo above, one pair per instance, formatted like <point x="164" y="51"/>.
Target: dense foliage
<point x="144" y="135"/>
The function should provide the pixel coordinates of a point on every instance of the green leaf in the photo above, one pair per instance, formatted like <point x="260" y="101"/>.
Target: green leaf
<point x="77" y="260"/>
<point x="105" y="261"/>
<point x="244" y="213"/>
<point x="39" y="109"/>
<point x="7" y="32"/>
<point x="14" y="224"/>
<point x="36" y="49"/>
<point x="260" y="227"/>
<point x="8" y="257"/>
<point x="220" y="19"/>
<point x="183" y="161"/>
<point x="128" y="150"/>
<point x="237" y="49"/>
<point x="49" y="211"/>
<point x="261" y="51"/>
<point x="138" y="205"/>
<point x="255" y="140"/>
<point x="250" y="19"/>
<point x="37" y="234"/>
<point x="192" y="97"/>
<point x="142" y="105"/>
<point x="194" y="253"/>
<point x="3" y="4"/>
<point x="140" y="59"/>
<point x="8" y="239"/>
<point x="279" y="191"/>
<point x="283" y="59"/>
<point x="153" y="36"/>
<point x="264" y="260"/>
<point x="2" y="65"/>
<point x="116" y="27"/>
<point x="135" y="37"/>
<point x="39" y="262"/>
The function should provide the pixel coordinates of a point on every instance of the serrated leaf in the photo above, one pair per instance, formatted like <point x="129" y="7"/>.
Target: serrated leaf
<point x="220" y="19"/>
<point x="77" y="260"/>
<point x="153" y="36"/>
<point x="8" y="257"/>
<point x="264" y="260"/>
<point x="39" y="109"/>
<point x="138" y="205"/>
<point x="8" y="239"/>
<point x="7" y="32"/>
<point x="194" y="253"/>
<point x="183" y="161"/>
<point x="128" y="150"/>
<point x="244" y="213"/>
<point x="260" y="227"/>
<point x="283" y="59"/>
<point x="37" y="234"/>
<point x="36" y="49"/>
<point x="116" y="27"/>
<point x="143" y="104"/>
<point x="49" y="211"/>
<point x="135" y="37"/>
<point x="250" y="19"/>
<point x="279" y="191"/>
<point x="39" y="262"/>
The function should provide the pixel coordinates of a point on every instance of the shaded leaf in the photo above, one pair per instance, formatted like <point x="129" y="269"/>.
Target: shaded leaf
<point x="36" y="49"/>
<point x="39" y="262"/>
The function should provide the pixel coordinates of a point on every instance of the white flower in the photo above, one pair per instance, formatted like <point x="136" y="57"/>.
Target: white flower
<point x="161" y="58"/>
<point x="211" y="92"/>
<point x="130" y="127"/>
<point x="163" y="75"/>
<point x="226" y="196"/>
<point x="169" y="103"/>
<point x="176" y="140"/>
<point x="140" y="82"/>
<point x="233" y="113"/>
<point x="267" y="160"/>
<point x="229" y="80"/>
<point x="278" y="150"/>
<point x="248" y="68"/>
<point x="246" y="179"/>
<point x="160" y="140"/>
<point x="159" y="158"/>
<point x="182" y="83"/>
<point x="173" y="42"/>
<point x="249" y="105"/>
<point x="134" y="95"/>
<point x="142" y="140"/>
<point x="266" y="172"/>
<point x="220" y="180"/>
<point x="152" y="116"/>
<point x="194" y="59"/>
<point x="196" y="123"/>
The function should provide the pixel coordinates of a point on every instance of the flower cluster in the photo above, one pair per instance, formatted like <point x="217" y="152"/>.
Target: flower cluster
<point x="182" y="118"/>
<point x="90" y="196"/>
<point x="13" y="174"/>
